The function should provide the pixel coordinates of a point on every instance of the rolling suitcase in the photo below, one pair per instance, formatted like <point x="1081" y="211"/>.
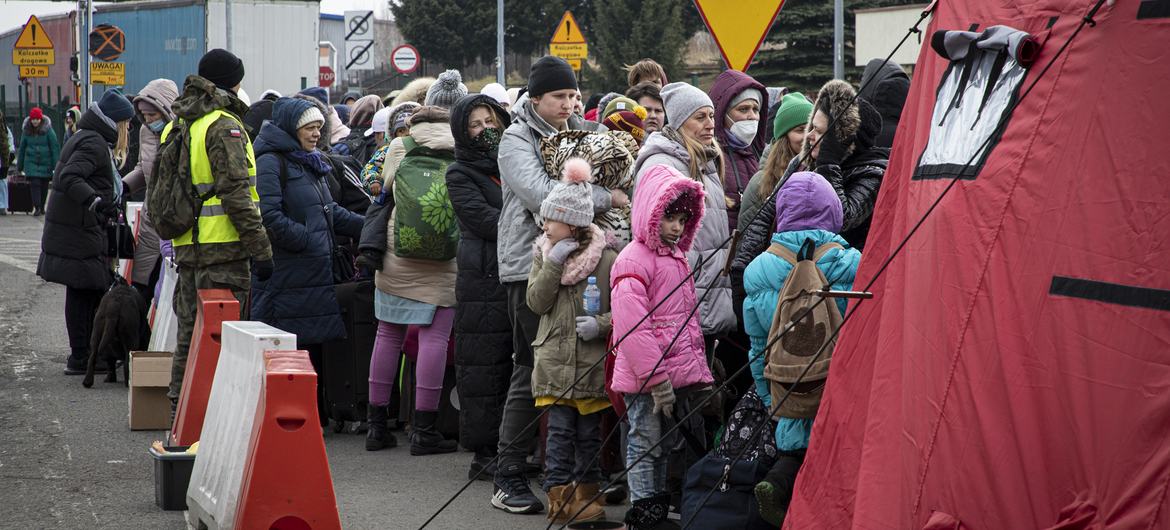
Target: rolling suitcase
<point x="19" y="195"/>
<point x="347" y="361"/>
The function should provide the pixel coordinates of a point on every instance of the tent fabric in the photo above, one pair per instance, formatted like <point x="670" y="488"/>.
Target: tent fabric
<point x="981" y="389"/>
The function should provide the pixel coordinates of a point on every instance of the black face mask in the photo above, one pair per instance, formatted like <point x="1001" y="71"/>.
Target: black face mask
<point x="487" y="141"/>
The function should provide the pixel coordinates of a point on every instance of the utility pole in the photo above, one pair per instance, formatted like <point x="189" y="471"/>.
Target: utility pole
<point x="84" y="26"/>
<point x="500" y="78"/>
<point x="838" y="39"/>
<point x="227" y="18"/>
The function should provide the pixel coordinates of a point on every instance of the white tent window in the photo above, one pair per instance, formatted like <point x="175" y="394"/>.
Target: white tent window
<point x="976" y="93"/>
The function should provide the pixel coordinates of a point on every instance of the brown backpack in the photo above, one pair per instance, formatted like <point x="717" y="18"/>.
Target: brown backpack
<point x="815" y="328"/>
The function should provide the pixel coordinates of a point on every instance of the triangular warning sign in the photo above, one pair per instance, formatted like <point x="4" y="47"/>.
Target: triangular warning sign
<point x="739" y="28"/>
<point x="33" y="36"/>
<point x="567" y="32"/>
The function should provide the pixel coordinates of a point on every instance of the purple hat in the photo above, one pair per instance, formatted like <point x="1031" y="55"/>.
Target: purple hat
<point x="806" y="202"/>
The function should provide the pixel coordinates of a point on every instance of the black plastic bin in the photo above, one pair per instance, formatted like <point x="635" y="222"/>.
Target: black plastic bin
<point x="172" y="474"/>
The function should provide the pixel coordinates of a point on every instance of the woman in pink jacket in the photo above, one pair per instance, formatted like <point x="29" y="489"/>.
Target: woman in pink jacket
<point x="668" y="208"/>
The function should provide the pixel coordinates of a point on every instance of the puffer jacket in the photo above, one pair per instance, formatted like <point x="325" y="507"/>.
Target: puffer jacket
<point x="483" y="329"/>
<point x="526" y="184"/>
<point x="555" y="292"/>
<point x="73" y="244"/>
<point x="885" y="85"/>
<point x="39" y="150"/>
<point x="741" y="163"/>
<point x="160" y="93"/>
<point x="710" y="249"/>
<point x="642" y="277"/>
<point x="299" y="297"/>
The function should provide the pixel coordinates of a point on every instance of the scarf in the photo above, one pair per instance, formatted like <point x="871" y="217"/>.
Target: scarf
<point x="709" y="152"/>
<point x="314" y="160"/>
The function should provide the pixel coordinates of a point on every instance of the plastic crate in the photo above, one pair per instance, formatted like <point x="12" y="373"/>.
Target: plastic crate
<point x="172" y="474"/>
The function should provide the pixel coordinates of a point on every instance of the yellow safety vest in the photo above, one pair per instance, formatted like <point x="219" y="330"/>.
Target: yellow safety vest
<point x="214" y="224"/>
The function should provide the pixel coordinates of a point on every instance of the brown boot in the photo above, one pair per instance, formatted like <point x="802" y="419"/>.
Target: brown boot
<point x="558" y="507"/>
<point x="586" y="503"/>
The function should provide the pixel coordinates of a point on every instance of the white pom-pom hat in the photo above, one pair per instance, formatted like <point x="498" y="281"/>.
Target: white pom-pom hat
<point x="571" y="201"/>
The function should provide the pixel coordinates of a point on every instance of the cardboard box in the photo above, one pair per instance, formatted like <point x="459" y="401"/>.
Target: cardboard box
<point x="150" y="375"/>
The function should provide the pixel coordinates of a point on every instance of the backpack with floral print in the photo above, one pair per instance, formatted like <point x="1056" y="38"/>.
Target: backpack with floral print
<point x="424" y="219"/>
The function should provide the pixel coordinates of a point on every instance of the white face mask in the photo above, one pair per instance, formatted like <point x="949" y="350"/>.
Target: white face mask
<point x="745" y="130"/>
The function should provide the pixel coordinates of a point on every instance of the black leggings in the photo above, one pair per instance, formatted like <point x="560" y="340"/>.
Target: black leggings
<point x="80" y="308"/>
<point x="39" y="190"/>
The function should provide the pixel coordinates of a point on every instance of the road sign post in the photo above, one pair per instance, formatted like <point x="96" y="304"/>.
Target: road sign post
<point x="33" y="46"/>
<point x="405" y="59"/>
<point x="568" y="42"/>
<point x="359" y="40"/>
<point x="739" y="28"/>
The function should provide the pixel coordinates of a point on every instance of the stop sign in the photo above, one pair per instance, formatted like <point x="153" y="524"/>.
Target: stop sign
<point x="325" y="77"/>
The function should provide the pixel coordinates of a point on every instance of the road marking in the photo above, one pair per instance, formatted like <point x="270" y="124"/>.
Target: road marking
<point x="12" y="251"/>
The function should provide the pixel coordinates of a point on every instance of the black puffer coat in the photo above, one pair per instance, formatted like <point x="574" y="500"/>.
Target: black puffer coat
<point x="483" y="332"/>
<point x="73" y="244"/>
<point x="856" y="179"/>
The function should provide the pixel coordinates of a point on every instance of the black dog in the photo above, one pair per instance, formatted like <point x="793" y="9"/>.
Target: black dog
<point x="118" y="328"/>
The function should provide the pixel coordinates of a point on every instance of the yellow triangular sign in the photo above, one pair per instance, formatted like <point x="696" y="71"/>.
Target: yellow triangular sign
<point x="739" y="28"/>
<point x="33" y="36"/>
<point x="567" y="32"/>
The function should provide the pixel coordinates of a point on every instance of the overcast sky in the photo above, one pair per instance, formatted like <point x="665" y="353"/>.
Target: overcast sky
<point x="14" y="13"/>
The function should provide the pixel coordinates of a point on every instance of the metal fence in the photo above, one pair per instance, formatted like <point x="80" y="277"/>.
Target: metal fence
<point x="17" y="100"/>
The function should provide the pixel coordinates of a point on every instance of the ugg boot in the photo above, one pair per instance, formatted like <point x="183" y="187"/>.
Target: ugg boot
<point x="558" y="505"/>
<point x="378" y="435"/>
<point x="425" y="439"/>
<point x="586" y="503"/>
<point x="650" y="514"/>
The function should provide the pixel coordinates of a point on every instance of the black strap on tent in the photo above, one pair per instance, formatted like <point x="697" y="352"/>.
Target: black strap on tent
<point x="1111" y="293"/>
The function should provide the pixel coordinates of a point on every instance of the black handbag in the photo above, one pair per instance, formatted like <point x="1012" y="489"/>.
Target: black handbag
<point x="343" y="268"/>
<point x="119" y="240"/>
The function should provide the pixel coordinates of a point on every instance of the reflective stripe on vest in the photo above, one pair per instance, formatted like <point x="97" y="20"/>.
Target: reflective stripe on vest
<point x="214" y="224"/>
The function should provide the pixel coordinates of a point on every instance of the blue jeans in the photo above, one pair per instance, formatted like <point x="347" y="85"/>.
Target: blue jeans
<point x="647" y="478"/>
<point x="574" y="442"/>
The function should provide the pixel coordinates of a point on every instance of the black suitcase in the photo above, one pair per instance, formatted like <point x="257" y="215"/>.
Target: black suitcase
<point x="347" y="361"/>
<point x="19" y="196"/>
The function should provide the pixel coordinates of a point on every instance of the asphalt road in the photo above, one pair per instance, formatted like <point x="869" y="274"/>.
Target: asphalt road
<point x="68" y="459"/>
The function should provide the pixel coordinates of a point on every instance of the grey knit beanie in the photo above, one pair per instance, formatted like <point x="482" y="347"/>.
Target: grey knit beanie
<point x="681" y="100"/>
<point x="446" y="90"/>
<point x="571" y="201"/>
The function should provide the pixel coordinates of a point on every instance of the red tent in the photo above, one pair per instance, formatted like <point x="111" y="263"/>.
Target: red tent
<point x="1013" y="370"/>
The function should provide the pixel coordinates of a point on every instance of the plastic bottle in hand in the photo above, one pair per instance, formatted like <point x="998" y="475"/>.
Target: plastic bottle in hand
<point x="592" y="297"/>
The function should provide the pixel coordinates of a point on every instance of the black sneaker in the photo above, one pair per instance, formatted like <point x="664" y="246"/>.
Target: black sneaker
<point x="513" y="495"/>
<point x="483" y="467"/>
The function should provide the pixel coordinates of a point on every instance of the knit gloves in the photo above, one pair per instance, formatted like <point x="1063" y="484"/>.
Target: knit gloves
<point x="263" y="268"/>
<point x="832" y="150"/>
<point x="560" y="251"/>
<point x="663" y="394"/>
<point x="588" y="328"/>
<point x="103" y="208"/>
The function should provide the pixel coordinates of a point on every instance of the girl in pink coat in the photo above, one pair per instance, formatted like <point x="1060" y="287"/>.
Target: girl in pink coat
<point x="666" y="214"/>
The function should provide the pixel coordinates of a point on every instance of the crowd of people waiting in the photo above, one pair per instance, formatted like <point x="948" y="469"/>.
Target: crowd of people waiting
<point x="491" y="219"/>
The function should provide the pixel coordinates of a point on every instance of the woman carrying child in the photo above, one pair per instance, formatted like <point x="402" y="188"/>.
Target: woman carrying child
<point x="570" y="342"/>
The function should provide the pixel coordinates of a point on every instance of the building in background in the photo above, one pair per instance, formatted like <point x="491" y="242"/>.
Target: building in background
<point x="879" y="30"/>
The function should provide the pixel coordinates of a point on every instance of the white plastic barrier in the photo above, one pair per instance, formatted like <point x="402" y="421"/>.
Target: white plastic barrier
<point x="214" y="491"/>
<point x="164" y="326"/>
<point x="132" y="211"/>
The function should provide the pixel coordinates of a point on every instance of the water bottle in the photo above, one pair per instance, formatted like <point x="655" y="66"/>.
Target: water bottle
<point x="592" y="297"/>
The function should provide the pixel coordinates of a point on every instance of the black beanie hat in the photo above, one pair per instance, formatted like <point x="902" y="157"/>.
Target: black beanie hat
<point x="222" y="68"/>
<point x="550" y="73"/>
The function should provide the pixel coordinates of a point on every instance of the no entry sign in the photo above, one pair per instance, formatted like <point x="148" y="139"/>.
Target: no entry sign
<point x="405" y="58"/>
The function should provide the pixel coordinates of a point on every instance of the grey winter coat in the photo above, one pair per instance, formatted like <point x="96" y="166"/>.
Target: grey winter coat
<point x="526" y="184"/>
<point x="709" y="251"/>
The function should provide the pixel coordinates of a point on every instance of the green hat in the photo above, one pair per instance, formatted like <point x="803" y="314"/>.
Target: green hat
<point x="617" y="104"/>
<point x="794" y="111"/>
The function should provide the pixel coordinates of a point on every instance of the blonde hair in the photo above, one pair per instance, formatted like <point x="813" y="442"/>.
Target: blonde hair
<point x="122" y="147"/>
<point x="776" y="164"/>
<point x="697" y="151"/>
<point x="645" y="70"/>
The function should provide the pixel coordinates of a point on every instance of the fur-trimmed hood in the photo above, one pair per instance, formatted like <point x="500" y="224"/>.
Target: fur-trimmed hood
<point x="858" y="124"/>
<point x="415" y="91"/>
<point x="660" y="186"/>
<point x="46" y="126"/>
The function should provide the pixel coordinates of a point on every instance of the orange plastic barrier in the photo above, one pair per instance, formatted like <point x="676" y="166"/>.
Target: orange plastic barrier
<point x="215" y="307"/>
<point x="287" y="484"/>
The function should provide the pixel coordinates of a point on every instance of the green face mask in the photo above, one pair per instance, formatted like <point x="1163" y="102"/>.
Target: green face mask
<point x="488" y="140"/>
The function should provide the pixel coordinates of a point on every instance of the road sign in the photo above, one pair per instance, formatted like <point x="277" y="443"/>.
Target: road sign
<point x="27" y="72"/>
<point x="739" y="28"/>
<point x="325" y="76"/>
<point x="567" y="41"/>
<point x="359" y="38"/>
<point x="102" y="73"/>
<point x="405" y="58"/>
<point x="575" y="64"/>
<point x="33" y="46"/>
<point x="107" y="42"/>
